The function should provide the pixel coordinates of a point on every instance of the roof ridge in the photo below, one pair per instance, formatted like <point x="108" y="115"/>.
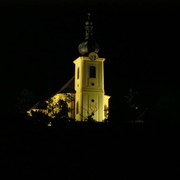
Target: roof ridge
<point x="66" y="85"/>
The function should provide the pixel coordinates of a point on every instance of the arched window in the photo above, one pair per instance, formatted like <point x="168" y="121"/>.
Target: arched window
<point x="78" y="73"/>
<point x="77" y="107"/>
<point x="92" y="71"/>
<point x="106" y="111"/>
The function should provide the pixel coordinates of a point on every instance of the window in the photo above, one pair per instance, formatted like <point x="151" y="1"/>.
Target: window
<point x="77" y="108"/>
<point x="78" y="73"/>
<point x="106" y="111"/>
<point x="92" y="71"/>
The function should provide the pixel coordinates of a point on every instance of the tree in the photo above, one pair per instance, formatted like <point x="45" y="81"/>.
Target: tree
<point x="91" y="111"/>
<point x="135" y="111"/>
<point x="40" y="118"/>
<point x="58" y="109"/>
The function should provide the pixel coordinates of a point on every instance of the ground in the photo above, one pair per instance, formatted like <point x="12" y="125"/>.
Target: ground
<point x="89" y="152"/>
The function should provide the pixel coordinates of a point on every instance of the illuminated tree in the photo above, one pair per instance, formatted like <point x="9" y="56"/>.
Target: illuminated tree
<point x="63" y="112"/>
<point x="59" y="106"/>
<point x="58" y="109"/>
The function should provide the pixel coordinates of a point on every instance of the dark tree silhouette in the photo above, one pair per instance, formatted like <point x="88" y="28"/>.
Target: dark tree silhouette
<point x="24" y="101"/>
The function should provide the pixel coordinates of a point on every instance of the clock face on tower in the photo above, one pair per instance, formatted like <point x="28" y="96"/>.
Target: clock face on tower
<point x="93" y="56"/>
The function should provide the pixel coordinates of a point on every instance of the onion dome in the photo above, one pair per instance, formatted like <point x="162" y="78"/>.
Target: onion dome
<point x="89" y="44"/>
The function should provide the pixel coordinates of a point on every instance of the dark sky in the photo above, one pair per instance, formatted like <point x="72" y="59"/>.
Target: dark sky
<point x="139" y="39"/>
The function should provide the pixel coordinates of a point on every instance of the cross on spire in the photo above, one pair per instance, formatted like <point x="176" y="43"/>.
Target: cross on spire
<point x="88" y="28"/>
<point x="89" y="15"/>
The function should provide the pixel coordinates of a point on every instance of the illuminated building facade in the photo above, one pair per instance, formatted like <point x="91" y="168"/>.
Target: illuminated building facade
<point x="84" y="93"/>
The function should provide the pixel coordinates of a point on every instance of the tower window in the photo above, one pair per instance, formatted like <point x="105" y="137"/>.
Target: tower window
<point x="106" y="111"/>
<point x="77" y="108"/>
<point x="92" y="71"/>
<point x="78" y="73"/>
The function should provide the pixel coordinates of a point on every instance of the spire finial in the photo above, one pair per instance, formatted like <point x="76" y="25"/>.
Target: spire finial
<point x="88" y="27"/>
<point x="89" y="15"/>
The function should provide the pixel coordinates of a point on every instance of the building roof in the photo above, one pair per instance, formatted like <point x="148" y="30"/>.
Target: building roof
<point x="40" y="105"/>
<point x="68" y="87"/>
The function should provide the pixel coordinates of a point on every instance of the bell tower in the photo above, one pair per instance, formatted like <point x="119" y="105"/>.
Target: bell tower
<point x="91" y="103"/>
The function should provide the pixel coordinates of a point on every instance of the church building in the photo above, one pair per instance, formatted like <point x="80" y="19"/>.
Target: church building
<point x="84" y="94"/>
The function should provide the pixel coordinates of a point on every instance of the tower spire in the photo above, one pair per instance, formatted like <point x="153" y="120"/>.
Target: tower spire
<point x="88" y="28"/>
<point x="89" y="44"/>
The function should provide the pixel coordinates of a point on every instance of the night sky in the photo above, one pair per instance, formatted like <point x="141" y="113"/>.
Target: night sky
<point x="39" y="41"/>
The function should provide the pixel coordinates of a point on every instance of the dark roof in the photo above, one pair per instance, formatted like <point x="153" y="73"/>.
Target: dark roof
<point x="40" y="105"/>
<point x="68" y="87"/>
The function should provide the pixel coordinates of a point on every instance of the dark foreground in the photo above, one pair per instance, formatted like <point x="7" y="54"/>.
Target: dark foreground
<point x="90" y="151"/>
